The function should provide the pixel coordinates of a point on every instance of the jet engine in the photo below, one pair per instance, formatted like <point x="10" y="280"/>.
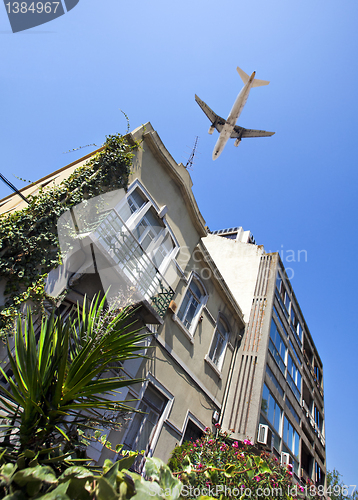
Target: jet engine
<point x="211" y="129"/>
<point x="237" y="142"/>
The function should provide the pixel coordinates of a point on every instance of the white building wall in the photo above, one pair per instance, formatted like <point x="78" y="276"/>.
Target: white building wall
<point x="239" y="264"/>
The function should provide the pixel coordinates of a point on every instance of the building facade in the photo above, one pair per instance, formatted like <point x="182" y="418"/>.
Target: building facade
<point x="276" y="397"/>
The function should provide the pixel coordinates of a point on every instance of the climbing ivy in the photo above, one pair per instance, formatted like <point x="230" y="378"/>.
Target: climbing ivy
<point x="29" y="246"/>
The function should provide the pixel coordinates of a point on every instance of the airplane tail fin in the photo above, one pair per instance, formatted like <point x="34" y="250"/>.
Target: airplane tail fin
<point x="245" y="78"/>
<point x="243" y="75"/>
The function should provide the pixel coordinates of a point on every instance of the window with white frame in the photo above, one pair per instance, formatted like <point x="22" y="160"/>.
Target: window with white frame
<point x="140" y="214"/>
<point x="144" y="425"/>
<point x="192" y="431"/>
<point x="219" y="343"/>
<point x="193" y="301"/>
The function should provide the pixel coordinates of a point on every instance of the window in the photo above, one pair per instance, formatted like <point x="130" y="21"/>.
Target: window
<point x="274" y="380"/>
<point x="279" y="282"/>
<point x="318" y="418"/>
<point x="319" y="474"/>
<point x="273" y="415"/>
<point x="141" y="216"/>
<point x="290" y="407"/>
<point x="271" y="409"/>
<point x="219" y="343"/>
<point x="291" y="438"/>
<point x="293" y="377"/>
<point x="143" y="425"/>
<point x="299" y="330"/>
<point x="295" y="353"/>
<point x="277" y="346"/>
<point x="192" y="431"/>
<point x="139" y="244"/>
<point x="277" y="316"/>
<point x="194" y="299"/>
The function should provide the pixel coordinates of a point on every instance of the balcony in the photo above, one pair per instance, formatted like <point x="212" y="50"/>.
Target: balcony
<point x="100" y="242"/>
<point x="132" y="262"/>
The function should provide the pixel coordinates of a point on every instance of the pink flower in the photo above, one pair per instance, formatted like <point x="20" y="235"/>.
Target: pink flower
<point x="290" y="473"/>
<point x="247" y="441"/>
<point x="217" y="426"/>
<point x="301" y="488"/>
<point x="235" y="445"/>
<point x="290" y="466"/>
<point x="194" y="445"/>
<point x="257" y="478"/>
<point x="207" y="429"/>
<point x="223" y="447"/>
<point x="242" y="454"/>
<point x="210" y="441"/>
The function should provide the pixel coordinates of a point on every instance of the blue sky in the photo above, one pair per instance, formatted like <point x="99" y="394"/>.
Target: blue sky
<point x="63" y="84"/>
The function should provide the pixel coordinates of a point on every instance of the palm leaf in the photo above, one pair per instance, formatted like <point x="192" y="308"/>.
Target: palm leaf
<point x="62" y="374"/>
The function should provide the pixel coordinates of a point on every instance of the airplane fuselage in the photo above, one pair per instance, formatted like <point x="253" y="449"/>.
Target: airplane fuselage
<point x="233" y="116"/>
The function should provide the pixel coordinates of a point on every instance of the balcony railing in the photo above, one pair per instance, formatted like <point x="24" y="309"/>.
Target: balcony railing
<point x="132" y="262"/>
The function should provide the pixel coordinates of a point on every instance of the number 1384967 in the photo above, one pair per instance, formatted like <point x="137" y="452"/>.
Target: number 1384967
<point x="32" y="7"/>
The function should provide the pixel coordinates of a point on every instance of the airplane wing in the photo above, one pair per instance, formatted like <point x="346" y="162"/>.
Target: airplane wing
<point x="248" y="132"/>
<point x="215" y="119"/>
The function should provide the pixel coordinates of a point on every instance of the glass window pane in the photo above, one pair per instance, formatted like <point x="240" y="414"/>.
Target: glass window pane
<point x="137" y="198"/>
<point x="264" y="402"/>
<point x="271" y="409"/>
<point x="184" y="305"/>
<point x="191" y="312"/>
<point x="195" y="288"/>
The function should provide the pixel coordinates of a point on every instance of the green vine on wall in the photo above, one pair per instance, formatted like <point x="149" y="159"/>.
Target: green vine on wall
<point x="29" y="246"/>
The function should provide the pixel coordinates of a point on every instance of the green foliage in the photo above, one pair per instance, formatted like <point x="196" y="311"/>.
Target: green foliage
<point x="28" y="238"/>
<point x="115" y="482"/>
<point x="219" y="464"/>
<point x="337" y="490"/>
<point x="60" y="377"/>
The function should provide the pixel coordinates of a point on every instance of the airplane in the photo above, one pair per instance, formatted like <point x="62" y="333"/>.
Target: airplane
<point x="228" y="128"/>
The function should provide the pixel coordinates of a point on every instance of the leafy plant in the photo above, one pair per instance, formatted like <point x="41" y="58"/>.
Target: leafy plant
<point x="58" y="389"/>
<point x="28" y="238"/>
<point x="337" y="490"/>
<point x="217" y="465"/>
<point x="115" y="482"/>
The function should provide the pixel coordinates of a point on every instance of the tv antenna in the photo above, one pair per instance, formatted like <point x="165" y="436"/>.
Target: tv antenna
<point x="81" y="147"/>
<point x="11" y="186"/>
<point x="190" y="162"/>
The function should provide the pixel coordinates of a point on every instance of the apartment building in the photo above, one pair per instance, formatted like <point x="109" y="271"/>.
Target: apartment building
<point x="147" y="245"/>
<point x="276" y="396"/>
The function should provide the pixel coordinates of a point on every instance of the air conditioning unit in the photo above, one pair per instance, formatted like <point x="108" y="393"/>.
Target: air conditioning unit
<point x="286" y="459"/>
<point x="264" y="435"/>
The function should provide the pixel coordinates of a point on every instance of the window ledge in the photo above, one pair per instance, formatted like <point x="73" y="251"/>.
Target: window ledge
<point x="213" y="367"/>
<point x="183" y="328"/>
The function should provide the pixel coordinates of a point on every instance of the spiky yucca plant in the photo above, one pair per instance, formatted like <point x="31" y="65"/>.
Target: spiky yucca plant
<point x="59" y="384"/>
